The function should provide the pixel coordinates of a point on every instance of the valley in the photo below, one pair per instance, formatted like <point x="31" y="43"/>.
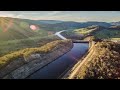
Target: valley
<point x="54" y="49"/>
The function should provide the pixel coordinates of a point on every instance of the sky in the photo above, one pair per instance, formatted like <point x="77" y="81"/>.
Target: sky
<point x="78" y="16"/>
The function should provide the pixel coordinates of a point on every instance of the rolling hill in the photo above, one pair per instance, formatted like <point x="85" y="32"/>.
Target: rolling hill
<point x="15" y="28"/>
<point x="74" y="25"/>
<point x="12" y="28"/>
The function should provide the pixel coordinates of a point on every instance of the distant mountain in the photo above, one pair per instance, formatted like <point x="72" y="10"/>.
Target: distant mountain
<point x="74" y="25"/>
<point x="48" y="21"/>
<point x="15" y="28"/>
<point x="103" y="24"/>
<point x="43" y="22"/>
<point x="115" y="23"/>
<point x="95" y="27"/>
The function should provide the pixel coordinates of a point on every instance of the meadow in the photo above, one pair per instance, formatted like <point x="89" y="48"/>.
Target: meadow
<point x="14" y="45"/>
<point x="24" y="53"/>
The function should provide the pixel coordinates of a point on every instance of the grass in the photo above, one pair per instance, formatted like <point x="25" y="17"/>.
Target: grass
<point x="14" y="45"/>
<point x="83" y="31"/>
<point x="15" y="30"/>
<point x="18" y="35"/>
<point x="115" y="38"/>
<point x="100" y="34"/>
<point x="6" y="59"/>
<point x="11" y="29"/>
<point x="107" y="34"/>
<point x="70" y="34"/>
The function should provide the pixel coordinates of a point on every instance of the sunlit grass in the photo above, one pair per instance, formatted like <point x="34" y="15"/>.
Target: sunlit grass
<point x="83" y="31"/>
<point x="24" y="53"/>
<point x="115" y="38"/>
<point x="14" y="45"/>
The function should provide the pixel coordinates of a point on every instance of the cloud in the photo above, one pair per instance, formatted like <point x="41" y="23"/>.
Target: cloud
<point x="79" y="16"/>
<point x="6" y="14"/>
<point x="20" y="16"/>
<point x="53" y="13"/>
<point x="30" y="13"/>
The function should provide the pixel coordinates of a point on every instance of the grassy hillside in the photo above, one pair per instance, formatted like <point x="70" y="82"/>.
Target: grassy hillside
<point x="16" y="34"/>
<point x="107" y="34"/>
<point x="105" y="63"/>
<point x="14" y="45"/>
<point x="6" y="59"/>
<point x="70" y="34"/>
<point x="83" y="31"/>
<point x="14" y="28"/>
<point x="99" y="32"/>
<point x="11" y="29"/>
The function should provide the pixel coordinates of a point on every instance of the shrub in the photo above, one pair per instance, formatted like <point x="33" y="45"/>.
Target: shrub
<point x="6" y="59"/>
<point x="105" y="64"/>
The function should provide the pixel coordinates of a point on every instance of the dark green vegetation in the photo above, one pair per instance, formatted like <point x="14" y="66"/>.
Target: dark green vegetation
<point x="99" y="32"/>
<point x="18" y="40"/>
<point x="15" y="28"/>
<point x="16" y="34"/>
<point x="73" y="25"/>
<point x="107" y="34"/>
<point x="14" y="45"/>
<point x="105" y="63"/>
<point x="70" y="34"/>
<point x="24" y="53"/>
<point x="87" y="30"/>
<point x="12" y="29"/>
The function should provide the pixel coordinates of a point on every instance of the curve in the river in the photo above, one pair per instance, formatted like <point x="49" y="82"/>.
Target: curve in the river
<point x="59" y="34"/>
<point x="61" y="65"/>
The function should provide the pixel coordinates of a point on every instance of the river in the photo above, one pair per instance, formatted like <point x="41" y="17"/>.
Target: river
<point x="58" y="67"/>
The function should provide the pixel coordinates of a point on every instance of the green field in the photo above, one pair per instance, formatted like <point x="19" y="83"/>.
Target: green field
<point x="100" y="34"/>
<point x="16" y="34"/>
<point x="12" y="29"/>
<point x="14" y="45"/>
<point x="83" y="31"/>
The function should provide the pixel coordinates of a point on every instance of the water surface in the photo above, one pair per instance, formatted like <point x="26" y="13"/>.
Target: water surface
<point x="56" y="68"/>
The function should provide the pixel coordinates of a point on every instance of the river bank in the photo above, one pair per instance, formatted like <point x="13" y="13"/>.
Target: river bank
<point x="71" y="74"/>
<point x="57" y="68"/>
<point x="21" y="68"/>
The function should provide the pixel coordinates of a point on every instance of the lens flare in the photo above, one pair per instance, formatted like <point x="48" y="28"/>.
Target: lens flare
<point x="6" y="24"/>
<point x="33" y="27"/>
<point x="73" y="57"/>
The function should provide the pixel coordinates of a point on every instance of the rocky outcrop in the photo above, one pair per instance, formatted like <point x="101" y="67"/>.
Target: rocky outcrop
<point x="33" y="62"/>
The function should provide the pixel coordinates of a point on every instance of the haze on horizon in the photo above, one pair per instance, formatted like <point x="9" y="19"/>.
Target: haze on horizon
<point x="77" y="16"/>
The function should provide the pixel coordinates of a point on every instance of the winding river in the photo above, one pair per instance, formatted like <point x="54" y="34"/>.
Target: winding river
<point x="60" y="66"/>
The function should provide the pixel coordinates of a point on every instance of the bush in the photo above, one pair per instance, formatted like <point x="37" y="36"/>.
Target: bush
<point x="6" y="59"/>
<point x="105" y="63"/>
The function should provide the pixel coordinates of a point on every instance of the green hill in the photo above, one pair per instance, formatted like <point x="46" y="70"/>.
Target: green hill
<point x="12" y="28"/>
<point x="100" y="32"/>
<point x="16" y="34"/>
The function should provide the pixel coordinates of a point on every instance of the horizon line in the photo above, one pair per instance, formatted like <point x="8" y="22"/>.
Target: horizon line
<point x="57" y="20"/>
